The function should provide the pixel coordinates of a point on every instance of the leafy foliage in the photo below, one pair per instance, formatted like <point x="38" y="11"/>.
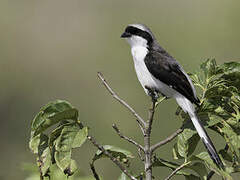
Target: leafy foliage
<point x="56" y="147"/>
<point x="197" y="167"/>
<point x="219" y="111"/>
<point x="56" y="173"/>
<point x="123" y="177"/>
<point x="121" y="154"/>
<point x="56" y="130"/>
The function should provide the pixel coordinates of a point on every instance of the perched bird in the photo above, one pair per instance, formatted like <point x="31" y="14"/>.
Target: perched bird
<point x="159" y="72"/>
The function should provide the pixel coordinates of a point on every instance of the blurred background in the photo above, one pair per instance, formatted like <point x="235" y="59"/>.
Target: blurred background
<point x="53" y="50"/>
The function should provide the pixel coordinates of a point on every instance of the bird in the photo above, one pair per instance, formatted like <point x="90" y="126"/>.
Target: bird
<point x="160" y="73"/>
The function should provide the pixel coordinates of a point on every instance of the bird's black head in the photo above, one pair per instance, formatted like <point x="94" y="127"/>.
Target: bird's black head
<point x="138" y="34"/>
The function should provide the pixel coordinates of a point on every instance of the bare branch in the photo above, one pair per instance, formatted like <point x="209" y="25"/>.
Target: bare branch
<point x="94" y="172"/>
<point x="176" y="170"/>
<point x="100" y="147"/>
<point x="127" y="138"/>
<point x="39" y="161"/>
<point x="150" y="118"/>
<point x="140" y="120"/>
<point x="147" y="147"/>
<point x="167" y="140"/>
<point x="140" y="155"/>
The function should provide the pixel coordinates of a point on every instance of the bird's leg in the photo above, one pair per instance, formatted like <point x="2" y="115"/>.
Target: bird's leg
<point x="152" y="93"/>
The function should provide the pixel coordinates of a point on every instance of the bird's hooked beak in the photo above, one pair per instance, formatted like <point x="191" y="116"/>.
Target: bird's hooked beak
<point x="125" y="35"/>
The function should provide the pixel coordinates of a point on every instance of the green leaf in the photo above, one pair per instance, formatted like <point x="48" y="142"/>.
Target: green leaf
<point x="39" y="145"/>
<point x="197" y="80"/>
<point x="53" y="113"/>
<point x="123" y="176"/>
<point x="121" y="154"/>
<point x="80" y="137"/>
<point x="193" y="141"/>
<point x="71" y="136"/>
<point x="182" y="145"/>
<point x="34" y="143"/>
<point x="204" y="157"/>
<point x="44" y="155"/>
<point x="197" y="167"/>
<point x="191" y="177"/>
<point x="187" y="142"/>
<point x="209" y="67"/>
<point x="55" y="134"/>
<point x="226" y="156"/>
<point x="44" y="161"/>
<point x="209" y="119"/>
<point x="231" y="71"/>
<point x="158" y="162"/>
<point x="233" y="140"/>
<point x="200" y="169"/>
<point x="175" y="153"/>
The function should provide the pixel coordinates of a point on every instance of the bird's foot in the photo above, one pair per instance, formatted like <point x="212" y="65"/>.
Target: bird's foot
<point x="152" y="93"/>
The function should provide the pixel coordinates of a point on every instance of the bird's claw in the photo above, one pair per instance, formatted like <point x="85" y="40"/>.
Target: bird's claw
<point x="152" y="93"/>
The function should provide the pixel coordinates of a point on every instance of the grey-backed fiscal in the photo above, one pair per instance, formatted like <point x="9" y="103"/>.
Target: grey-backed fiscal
<point x="159" y="72"/>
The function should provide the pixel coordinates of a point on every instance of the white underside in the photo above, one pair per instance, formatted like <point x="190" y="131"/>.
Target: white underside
<point x="145" y="77"/>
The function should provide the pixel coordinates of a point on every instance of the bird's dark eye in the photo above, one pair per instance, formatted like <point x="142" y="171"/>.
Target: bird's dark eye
<point x="126" y="35"/>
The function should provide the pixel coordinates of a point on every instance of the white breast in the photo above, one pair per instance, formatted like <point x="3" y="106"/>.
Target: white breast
<point x="144" y="76"/>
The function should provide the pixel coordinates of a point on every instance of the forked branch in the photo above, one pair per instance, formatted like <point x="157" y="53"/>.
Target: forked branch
<point x="146" y="127"/>
<point x="167" y="140"/>
<point x="176" y="170"/>
<point x="139" y="146"/>
<point x="114" y="160"/>
<point x="139" y="119"/>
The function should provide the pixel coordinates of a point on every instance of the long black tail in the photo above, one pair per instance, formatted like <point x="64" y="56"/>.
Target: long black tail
<point x="206" y="141"/>
<point x="188" y="107"/>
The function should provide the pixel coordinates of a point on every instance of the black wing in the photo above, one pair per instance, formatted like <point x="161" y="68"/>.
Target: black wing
<point x="167" y="70"/>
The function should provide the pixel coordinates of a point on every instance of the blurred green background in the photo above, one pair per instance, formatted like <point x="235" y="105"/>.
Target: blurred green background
<point x="53" y="49"/>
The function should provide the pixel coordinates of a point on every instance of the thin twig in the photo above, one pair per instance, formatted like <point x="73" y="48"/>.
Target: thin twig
<point x="151" y="115"/>
<point x="127" y="138"/>
<point x="176" y="170"/>
<point x="39" y="166"/>
<point x="147" y="147"/>
<point x="100" y="147"/>
<point x="140" y="120"/>
<point x="167" y="140"/>
<point x="140" y="154"/>
<point x="94" y="171"/>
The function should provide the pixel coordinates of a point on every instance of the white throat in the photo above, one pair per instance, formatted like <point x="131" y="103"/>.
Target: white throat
<point x="138" y="48"/>
<point x="137" y="41"/>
